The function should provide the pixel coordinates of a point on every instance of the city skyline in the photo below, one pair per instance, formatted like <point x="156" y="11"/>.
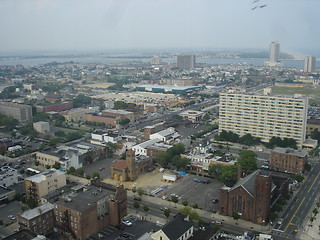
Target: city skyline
<point x="61" y="25"/>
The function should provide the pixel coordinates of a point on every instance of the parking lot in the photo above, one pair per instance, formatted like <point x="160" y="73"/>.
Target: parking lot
<point x="11" y="209"/>
<point x="197" y="192"/>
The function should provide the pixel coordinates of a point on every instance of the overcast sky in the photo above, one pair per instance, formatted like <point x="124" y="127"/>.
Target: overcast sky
<point x="112" y="24"/>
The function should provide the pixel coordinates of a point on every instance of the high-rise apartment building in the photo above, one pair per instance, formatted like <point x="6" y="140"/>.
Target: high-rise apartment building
<point x="274" y="52"/>
<point x="274" y="55"/>
<point x="23" y="113"/>
<point x="264" y="116"/>
<point x="309" y="64"/>
<point x="186" y="61"/>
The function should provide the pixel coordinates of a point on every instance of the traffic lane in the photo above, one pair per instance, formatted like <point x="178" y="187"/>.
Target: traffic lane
<point x="306" y="197"/>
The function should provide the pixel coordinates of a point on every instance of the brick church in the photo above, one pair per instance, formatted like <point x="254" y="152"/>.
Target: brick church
<point x="130" y="168"/>
<point x="252" y="196"/>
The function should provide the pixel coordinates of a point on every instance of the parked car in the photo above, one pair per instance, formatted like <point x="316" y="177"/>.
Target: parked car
<point x="215" y="200"/>
<point x="137" y="198"/>
<point x="197" y="180"/>
<point x="127" y="222"/>
<point x="206" y="181"/>
<point x="164" y="208"/>
<point x="11" y="217"/>
<point x="280" y="221"/>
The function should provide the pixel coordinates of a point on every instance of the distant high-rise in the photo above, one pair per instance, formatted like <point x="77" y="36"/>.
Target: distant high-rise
<point x="156" y="60"/>
<point x="274" y="55"/>
<point x="309" y="64"/>
<point x="274" y="52"/>
<point x="186" y="61"/>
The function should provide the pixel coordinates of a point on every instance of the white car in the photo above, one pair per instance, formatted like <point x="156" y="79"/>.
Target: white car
<point x="127" y="222"/>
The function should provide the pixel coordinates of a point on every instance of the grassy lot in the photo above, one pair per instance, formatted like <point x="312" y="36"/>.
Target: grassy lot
<point x="291" y="90"/>
<point x="312" y="93"/>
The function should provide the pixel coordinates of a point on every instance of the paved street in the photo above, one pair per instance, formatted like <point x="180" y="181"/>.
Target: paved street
<point x="298" y="210"/>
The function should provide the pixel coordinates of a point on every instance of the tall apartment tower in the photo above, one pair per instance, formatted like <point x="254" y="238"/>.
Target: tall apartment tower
<point x="186" y="61"/>
<point x="274" y="55"/>
<point x="309" y="64"/>
<point x="274" y="52"/>
<point x="264" y="116"/>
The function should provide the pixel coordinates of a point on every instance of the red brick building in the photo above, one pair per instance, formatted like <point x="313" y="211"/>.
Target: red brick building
<point x="288" y="160"/>
<point x="252" y="197"/>
<point x="58" y="107"/>
<point x="39" y="220"/>
<point x="131" y="168"/>
<point x="108" y="120"/>
<point x="89" y="211"/>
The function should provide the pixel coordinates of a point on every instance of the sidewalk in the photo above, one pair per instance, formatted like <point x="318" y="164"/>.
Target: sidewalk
<point x="204" y="214"/>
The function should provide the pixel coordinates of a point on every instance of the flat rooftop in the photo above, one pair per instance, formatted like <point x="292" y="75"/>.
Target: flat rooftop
<point x="81" y="201"/>
<point x="32" y="213"/>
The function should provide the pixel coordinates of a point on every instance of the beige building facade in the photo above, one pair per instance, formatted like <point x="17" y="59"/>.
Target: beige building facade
<point x="264" y="116"/>
<point x="23" y="113"/>
<point x="41" y="184"/>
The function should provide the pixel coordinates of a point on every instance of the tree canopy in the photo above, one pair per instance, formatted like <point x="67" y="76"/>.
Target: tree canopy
<point x="224" y="173"/>
<point x="172" y="157"/>
<point x="247" y="161"/>
<point x="81" y="100"/>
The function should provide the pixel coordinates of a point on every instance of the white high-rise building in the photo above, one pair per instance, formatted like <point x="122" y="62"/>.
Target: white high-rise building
<point x="274" y="55"/>
<point x="309" y="64"/>
<point x="264" y="116"/>
<point x="274" y="52"/>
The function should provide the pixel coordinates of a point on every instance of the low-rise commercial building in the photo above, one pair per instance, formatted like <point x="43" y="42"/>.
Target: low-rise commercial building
<point x="41" y="127"/>
<point x="192" y="115"/>
<point x="43" y="183"/>
<point x="8" y="176"/>
<point x="288" y="160"/>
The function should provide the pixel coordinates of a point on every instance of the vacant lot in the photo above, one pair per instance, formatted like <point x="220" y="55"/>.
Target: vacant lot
<point x="296" y="90"/>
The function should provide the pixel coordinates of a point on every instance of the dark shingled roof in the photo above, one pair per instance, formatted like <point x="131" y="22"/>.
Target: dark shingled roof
<point x="177" y="227"/>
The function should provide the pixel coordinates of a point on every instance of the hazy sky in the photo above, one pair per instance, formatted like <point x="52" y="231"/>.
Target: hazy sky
<point x="110" y="24"/>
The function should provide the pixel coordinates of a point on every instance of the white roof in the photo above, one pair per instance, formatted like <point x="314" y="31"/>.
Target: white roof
<point x="32" y="213"/>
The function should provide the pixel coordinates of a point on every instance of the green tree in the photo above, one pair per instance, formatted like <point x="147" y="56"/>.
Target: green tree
<point x="298" y="177"/>
<point x="193" y="215"/>
<point x="184" y="203"/>
<point x="56" y="165"/>
<point x="140" y="192"/>
<point x="120" y="105"/>
<point x="247" y="161"/>
<point x="175" y="200"/>
<point x="136" y="204"/>
<point x="134" y="190"/>
<point x="80" y="171"/>
<point x="145" y="208"/>
<point x="81" y="100"/>
<point x="195" y="205"/>
<point x="95" y="175"/>
<point x="235" y="215"/>
<point x="124" y="121"/>
<point x="60" y="133"/>
<point x="167" y="212"/>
